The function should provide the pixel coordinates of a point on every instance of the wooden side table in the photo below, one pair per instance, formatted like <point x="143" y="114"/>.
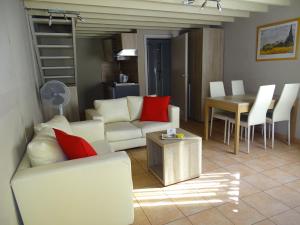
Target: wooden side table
<point x="173" y="161"/>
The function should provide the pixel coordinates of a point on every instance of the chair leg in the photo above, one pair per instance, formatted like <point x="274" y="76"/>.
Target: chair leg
<point x="253" y="127"/>
<point x="228" y="133"/>
<point x="211" y="124"/>
<point x="269" y="130"/>
<point x="248" y="139"/>
<point x="289" y="132"/>
<point x="273" y="126"/>
<point x="265" y="136"/>
<point x="225" y="130"/>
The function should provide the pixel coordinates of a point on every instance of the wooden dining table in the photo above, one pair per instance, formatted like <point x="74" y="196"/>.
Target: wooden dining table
<point x="241" y="104"/>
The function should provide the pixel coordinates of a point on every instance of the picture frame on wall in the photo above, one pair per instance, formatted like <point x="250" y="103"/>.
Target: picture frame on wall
<point x="278" y="41"/>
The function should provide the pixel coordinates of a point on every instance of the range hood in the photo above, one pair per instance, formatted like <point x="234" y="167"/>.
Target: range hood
<point x="129" y="46"/>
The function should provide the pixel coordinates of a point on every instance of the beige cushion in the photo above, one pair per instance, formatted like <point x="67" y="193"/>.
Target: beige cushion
<point x="121" y="131"/>
<point x="59" y="122"/>
<point x="135" y="105"/>
<point x="113" y="110"/>
<point x="148" y="127"/>
<point x="44" y="150"/>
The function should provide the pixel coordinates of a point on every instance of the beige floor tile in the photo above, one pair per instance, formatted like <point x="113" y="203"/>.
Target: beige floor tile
<point x="140" y="217"/>
<point x="145" y="181"/>
<point x="224" y="161"/>
<point x="274" y="160"/>
<point x="279" y="175"/>
<point x="246" y="189"/>
<point x="265" y="204"/>
<point x="259" y="164"/>
<point x="297" y="209"/>
<point x="286" y="195"/>
<point x="208" y="165"/>
<point x="265" y="222"/>
<point x="183" y="221"/>
<point x="292" y="169"/>
<point x="240" y="213"/>
<point x="261" y="181"/>
<point x="209" y="217"/>
<point x="240" y="169"/>
<point x="158" y="207"/>
<point x="290" y="217"/>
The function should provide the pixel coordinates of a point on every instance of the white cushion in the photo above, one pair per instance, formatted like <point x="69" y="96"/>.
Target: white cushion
<point x="101" y="147"/>
<point x="44" y="150"/>
<point x="135" y="106"/>
<point x="113" y="110"/>
<point x="121" y="131"/>
<point x="148" y="127"/>
<point x="59" y="122"/>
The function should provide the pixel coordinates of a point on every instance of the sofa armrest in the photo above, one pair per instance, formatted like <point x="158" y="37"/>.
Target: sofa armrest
<point x="174" y="115"/>
<point x="91" y="130"/>
<point x="94" y="190"/>
<point x="92" y="114"/>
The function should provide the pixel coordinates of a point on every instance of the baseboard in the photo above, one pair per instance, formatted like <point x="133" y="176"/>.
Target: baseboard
<point x="283" y="138"/>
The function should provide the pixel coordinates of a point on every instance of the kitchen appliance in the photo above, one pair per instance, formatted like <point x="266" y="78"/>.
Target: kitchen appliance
<point x="123" y="78"/>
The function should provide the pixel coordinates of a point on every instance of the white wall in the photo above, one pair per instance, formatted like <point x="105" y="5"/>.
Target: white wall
<point x="19" y="108"/>
<point x="240" y="55"/>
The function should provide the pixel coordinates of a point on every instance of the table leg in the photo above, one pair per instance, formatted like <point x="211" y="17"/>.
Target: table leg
<point x="237" y="132"/>
<point x="294" y="120"/>
<point x="206" y="117"/>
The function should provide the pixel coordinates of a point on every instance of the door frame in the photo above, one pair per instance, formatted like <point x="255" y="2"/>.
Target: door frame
<point x="146" y="37"/>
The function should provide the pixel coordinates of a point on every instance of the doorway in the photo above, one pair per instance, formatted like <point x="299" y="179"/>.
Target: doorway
<point x="159" y="66"/>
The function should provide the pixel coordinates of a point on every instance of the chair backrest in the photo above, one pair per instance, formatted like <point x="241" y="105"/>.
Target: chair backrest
<point x="237" y="87"/>
<point x="257" y="114"/>
<point x="216" y="89"/>
<point x="282" y="110"/>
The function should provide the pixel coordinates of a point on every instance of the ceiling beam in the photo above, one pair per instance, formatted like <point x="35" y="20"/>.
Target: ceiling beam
<point x="94" y="5"/>
<point x="271" y="2"/>
<point x="227" y="4"/>
<point x="123" y="26"/>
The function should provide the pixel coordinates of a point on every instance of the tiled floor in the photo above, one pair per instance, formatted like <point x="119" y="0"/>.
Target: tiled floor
<point x="261" y="188"/>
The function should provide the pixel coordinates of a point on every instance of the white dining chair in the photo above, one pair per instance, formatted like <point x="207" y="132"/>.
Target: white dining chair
<point x="237" y="87"/>
<point x="217" y="90"/>
<point x="257" y="114"/>
<point x="283" y="108"/>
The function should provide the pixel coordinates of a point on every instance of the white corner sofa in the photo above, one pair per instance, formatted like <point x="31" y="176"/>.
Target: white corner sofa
<point x="91" y="191"/>
<point x="122" y="127"/>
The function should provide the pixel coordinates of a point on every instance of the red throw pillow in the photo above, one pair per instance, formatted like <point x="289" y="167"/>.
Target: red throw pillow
<point x="155" y="109"/>
<point x="74" y="147"/>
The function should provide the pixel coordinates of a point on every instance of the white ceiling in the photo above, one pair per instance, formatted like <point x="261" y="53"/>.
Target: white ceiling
<point x="107" y="17"/>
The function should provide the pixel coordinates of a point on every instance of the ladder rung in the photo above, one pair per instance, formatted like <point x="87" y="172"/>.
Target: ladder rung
<point x="58" y="77"/>
<point x="53" y="34"/>
<point x="55" y="46"/>
<point x="54" y="21"/>
<point x="57" y="67"/>
<point x="56" y="57"/>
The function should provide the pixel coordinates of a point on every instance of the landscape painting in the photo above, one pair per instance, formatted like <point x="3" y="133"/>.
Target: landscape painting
<point x="277" y="41"/>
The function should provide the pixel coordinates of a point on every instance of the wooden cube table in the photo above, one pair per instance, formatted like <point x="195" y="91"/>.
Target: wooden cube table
<point x="173" y="161"/>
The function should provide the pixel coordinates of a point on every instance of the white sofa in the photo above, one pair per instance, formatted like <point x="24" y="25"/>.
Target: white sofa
<point x="122" y="127"/>
<point x="91" y="191"/>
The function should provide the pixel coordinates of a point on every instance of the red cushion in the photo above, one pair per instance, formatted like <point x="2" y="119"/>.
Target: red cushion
<point x="74" y="147"/>
<point x="155" y="109"/>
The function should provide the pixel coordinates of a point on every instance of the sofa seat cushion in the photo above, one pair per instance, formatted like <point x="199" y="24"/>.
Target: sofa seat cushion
<point x="101" y="147"/>
<point x="148" y="126"/>
<point x="121" y="131"/>
<point x="113" y="110"/>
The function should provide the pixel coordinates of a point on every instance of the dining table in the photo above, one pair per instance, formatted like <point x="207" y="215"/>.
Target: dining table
<point x="239" y="104"/>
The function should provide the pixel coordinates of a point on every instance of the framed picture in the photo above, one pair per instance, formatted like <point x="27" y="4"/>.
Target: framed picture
<point x="277" y="41"/>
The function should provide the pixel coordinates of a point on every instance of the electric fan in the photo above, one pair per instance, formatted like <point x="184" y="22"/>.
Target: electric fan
<point x="56" y="94"/>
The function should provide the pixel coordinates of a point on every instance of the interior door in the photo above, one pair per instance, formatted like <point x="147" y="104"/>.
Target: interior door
<point x="179" y="74"/>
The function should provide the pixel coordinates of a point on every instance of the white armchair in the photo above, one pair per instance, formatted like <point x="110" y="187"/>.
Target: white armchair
<point x="92" y="191"/>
